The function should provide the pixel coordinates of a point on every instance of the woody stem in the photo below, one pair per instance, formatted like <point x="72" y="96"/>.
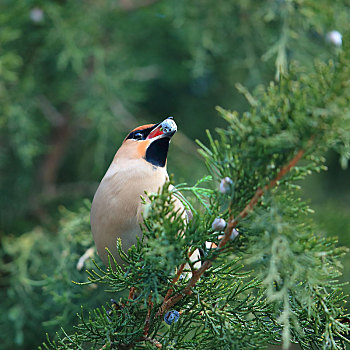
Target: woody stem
<point x="169" y="302"/>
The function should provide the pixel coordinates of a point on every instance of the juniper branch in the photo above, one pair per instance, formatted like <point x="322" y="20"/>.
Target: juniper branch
<point x="168" y="303"/>
<point x="131" y="293"/>
<point x="175" y="279"/>
<point x="148" y="317"/>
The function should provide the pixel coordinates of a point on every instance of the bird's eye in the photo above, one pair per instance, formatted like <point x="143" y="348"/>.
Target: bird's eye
<point x="138" y="136"/>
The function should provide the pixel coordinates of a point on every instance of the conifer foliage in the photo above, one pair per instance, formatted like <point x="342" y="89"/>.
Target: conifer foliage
<point x="270" y="278"/>
<point x="77" y="76"/>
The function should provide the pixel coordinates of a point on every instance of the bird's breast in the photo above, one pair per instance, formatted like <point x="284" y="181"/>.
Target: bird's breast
<point x="116" y="209"/>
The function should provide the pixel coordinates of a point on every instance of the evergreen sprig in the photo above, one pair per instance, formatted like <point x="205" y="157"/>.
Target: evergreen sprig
<point x="269" y="278"/>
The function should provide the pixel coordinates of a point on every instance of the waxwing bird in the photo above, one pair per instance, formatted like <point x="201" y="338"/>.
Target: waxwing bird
<point x="138" y="166"/>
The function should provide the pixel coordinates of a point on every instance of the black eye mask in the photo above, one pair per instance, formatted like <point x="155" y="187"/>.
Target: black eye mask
<point x="141" y="134"/>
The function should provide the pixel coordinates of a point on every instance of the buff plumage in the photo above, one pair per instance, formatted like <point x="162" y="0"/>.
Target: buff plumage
<point x="138" y="166"/>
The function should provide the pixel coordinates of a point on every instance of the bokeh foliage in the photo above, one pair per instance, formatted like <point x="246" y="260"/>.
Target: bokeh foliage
<point x="75" y="77"/>
<point x="288" y="290"/>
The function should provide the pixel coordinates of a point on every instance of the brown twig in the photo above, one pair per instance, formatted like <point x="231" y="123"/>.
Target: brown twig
<point x="175" y="279"/>
<point x="168" y="303"/>
<point x="154" y="342"/>
<point x="258" y="194"/>
<point x="148" y="317"/>
<point x="131" y="293"/>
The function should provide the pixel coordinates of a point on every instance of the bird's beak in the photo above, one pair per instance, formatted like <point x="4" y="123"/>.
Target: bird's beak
<point x="167" y="128"/>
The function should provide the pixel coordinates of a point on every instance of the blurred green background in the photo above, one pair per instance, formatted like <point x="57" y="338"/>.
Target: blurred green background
<point x="77" y="76"/>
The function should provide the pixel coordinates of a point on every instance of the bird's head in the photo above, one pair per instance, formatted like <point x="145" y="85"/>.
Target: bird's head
<point x="149" y="142"/>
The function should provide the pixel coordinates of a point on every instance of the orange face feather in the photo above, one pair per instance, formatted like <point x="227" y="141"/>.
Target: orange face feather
<point x="142" y="147"/>
<point x="149" y="142"/>
<point x="142" y="127"/>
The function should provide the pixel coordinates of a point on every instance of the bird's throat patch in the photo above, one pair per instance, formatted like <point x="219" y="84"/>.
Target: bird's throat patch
<point x="157" y="152"/>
